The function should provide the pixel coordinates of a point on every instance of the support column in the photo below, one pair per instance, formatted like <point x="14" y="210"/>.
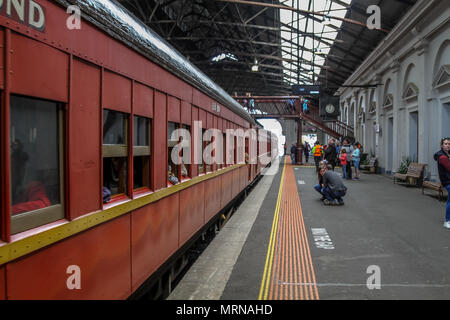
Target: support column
<point x="424" y="155"/>
<point x="398" y="116"/>
<point x="289" y="127"/>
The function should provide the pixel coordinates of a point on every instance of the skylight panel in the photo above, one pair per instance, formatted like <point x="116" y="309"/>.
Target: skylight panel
<point x="306" y="46"/>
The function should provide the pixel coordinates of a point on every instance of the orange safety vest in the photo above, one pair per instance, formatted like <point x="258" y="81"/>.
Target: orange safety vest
<point x="317" y="151"/>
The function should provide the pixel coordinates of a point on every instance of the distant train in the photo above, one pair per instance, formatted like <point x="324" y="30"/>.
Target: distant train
<point x="92" y="202"/>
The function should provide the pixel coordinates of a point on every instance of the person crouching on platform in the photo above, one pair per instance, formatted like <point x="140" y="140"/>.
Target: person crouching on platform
<point x="333" y="187"/>
<point x="318" y="187"/>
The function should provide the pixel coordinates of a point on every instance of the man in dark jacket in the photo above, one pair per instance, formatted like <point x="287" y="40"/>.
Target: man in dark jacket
<point x="306" y="150"/>
<point x="443" y="159"/>
<point x="294" y="154"/>
<point x="330" y="153"/>
<point x="333" y="187"/>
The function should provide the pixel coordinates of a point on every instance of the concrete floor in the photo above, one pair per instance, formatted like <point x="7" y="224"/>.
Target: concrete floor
<point x="388" y="232"/>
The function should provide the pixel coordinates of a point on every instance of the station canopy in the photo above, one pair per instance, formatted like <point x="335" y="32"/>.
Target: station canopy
<point x="263" y="47"/>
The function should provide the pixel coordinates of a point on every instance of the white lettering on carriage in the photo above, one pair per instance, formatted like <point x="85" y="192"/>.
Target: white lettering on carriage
<point x="36" y="16"/>
<point x="17" y="9"/>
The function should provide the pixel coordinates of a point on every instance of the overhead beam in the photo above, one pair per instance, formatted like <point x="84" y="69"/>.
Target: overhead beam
<point x="284" y="7"/>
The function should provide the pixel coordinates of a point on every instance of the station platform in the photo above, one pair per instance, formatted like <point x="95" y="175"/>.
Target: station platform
<point x="386" y="242"/>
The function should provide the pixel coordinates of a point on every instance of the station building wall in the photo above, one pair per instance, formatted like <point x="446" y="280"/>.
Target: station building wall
<point x="408" y="112"/>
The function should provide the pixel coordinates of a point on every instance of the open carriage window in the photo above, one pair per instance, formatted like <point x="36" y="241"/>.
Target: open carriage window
<point x="36" y="162"/>
<point x="141" y="152"/>
<point x="173" y="176"/>
<point x="115" y="153"/>
<point x="208" y="166"/>
<point x="185" y="165"/>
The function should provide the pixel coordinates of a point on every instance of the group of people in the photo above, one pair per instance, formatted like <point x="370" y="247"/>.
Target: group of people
<point x="294" y="150"/>
<point x="344" y="155"/>
<point x="331" y="185"/>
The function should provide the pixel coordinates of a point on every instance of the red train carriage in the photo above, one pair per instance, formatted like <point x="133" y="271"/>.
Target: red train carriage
<point x="90" y="208"/>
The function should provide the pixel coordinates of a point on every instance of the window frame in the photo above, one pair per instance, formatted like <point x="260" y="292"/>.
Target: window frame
<point x="205" y="144"/>
<point x="117" y="151"/>
<point x="143" y="151"/>
<point x="187" y="166"/>
<point x="202" y="161"/>
<point x="170" y="145"/>
<point x="224" y="151"/>
<point x="32" y="219"/>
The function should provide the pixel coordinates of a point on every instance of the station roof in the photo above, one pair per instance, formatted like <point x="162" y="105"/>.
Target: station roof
<point x="263" y="47"/>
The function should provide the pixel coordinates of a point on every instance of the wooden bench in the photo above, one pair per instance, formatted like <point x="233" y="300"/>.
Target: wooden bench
<point x="371" y="167"/>
<point x="434" y="186"/>
<point x="415" y="173"/>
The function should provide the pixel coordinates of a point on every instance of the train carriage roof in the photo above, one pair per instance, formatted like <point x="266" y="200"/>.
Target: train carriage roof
<point x="122" y="25"/>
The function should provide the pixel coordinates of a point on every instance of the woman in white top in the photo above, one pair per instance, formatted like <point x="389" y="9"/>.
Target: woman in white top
<point x="356" y="157"/>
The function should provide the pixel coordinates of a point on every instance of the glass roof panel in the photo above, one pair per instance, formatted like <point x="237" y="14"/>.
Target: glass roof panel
<point x="306" y="39"/>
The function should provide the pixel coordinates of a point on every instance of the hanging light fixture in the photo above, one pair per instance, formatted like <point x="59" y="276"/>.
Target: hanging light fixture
<point x="255" y="67"/>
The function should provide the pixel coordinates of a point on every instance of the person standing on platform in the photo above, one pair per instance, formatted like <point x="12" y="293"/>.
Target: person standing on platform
<point x="317" y="152"/>
<point x="330" y="153"/>
<point x="349" y="150"/>
<point x="338" y="152"/>
<point x="306" y="151"/>
<point x="443" y="159"/>
<point x="294" y="154"/>
<point x="343" y="160"/>
<point x="356" y="157"/>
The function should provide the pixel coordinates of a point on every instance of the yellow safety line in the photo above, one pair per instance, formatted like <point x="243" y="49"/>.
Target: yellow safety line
<point x="288" y="222"/>
<point x="269" y="257"/>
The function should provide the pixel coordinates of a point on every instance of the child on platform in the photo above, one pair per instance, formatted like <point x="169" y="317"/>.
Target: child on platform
<point x="343" y="159"/>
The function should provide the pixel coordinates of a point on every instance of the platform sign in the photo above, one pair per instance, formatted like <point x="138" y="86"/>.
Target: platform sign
<point x="306" y="90"/>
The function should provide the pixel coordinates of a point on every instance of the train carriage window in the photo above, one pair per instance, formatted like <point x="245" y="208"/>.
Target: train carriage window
<point x="141" y="153"/>
<point x="231" y="148"/>
<point x="236" y="149"/>
<point x="201" y="167"/>
<point x="206" y="166"/>
<point x="173" y="168"/>
<point x="224" y="154"/>
<point x="185" y="166"/>
<point x="36" y="162"/>
<point x="115" y="153"/>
